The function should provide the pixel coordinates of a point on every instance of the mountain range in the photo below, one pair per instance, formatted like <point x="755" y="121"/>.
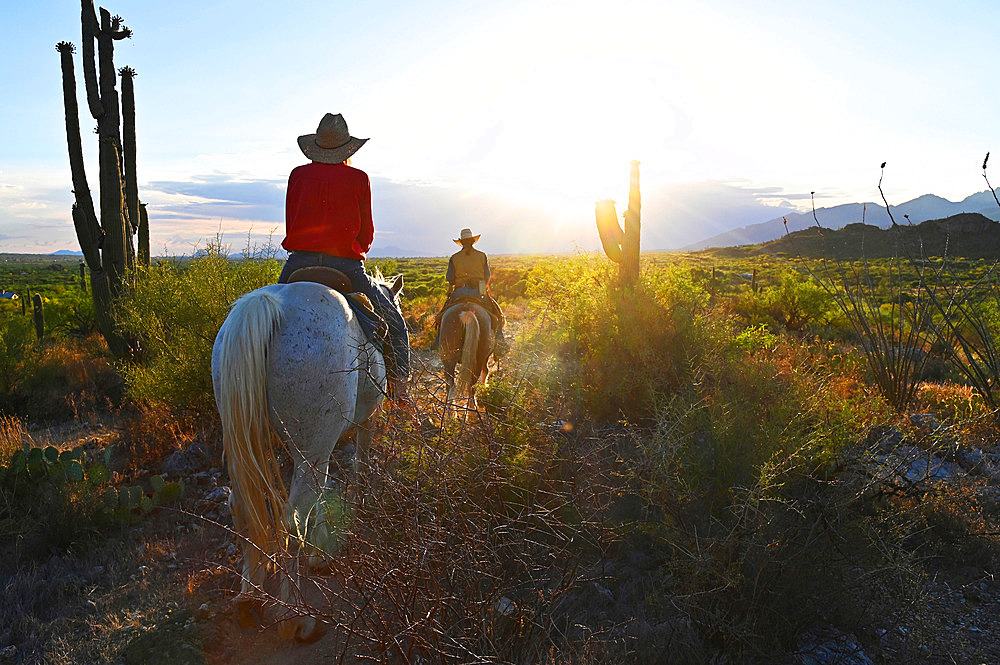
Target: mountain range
<point x="967" y="235"/>
<point x="920" y="209"/>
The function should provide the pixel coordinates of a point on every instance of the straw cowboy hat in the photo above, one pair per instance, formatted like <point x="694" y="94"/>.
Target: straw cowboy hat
<point x="332" y="143"/>
<point x="466" y="234"/>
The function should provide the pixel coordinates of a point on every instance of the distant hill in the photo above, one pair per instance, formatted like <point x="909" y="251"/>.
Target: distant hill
<point x="67" y="252"/>
<point x="921" y="209"/>
<point x="967" y="235"/>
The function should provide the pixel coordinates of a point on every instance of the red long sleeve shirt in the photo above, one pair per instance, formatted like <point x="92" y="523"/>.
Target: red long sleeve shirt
<point x="328" y="208"/>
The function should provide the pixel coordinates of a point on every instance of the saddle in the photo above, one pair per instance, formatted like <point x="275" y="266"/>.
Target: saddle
<point x="373" y="325"/>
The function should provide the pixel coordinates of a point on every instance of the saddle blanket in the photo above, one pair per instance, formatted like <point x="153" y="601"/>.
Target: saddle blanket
<point x="372" y="325"/>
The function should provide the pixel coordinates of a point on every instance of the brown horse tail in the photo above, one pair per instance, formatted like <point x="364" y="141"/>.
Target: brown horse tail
<point x="470" y="347"/>
<point x="248" y="438"/>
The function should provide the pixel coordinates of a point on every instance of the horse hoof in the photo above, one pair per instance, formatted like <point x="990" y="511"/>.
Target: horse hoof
<point x="246" y="614"/>
<point x="310" y="630"/>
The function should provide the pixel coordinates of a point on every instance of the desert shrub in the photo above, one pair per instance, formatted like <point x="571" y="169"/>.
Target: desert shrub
<point x="461" y="547"/>
<point x="70" y="312"/>
<point x="625" y="348"/>
<point x="12" y="433"/>
<point x="419" y="314"/>
<point x="152" y="431"/>
<point x="952" y="402"/>
<point x="727" y="422"/>
<point x="17" y="339"/>
<point x="728" y="474"/>
<point x="66" y="378"/>
<point x="796" y="303"/>
<point x="173" y="311"/>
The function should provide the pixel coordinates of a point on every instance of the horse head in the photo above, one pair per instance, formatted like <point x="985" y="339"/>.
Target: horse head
<point x="391" y="289"/>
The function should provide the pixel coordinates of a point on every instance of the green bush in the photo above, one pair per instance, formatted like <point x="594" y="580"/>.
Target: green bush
<point x="173" y="311"/>
<point x="17" y="339"/>
<point x="625" y="348"/>
<point x="796" y="303"/>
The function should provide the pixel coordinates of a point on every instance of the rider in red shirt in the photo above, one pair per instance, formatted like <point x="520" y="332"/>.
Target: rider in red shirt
<point x="328" y="222"/>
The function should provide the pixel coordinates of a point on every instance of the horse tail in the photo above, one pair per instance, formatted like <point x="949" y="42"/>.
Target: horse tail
<point x="469" y="348"/>
<point x="248" y="437"/>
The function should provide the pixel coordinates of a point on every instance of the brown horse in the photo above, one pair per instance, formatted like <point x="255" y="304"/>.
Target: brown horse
<point x="466" y="338"/>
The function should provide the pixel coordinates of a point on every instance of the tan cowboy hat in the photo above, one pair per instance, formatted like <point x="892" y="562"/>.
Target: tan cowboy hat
<point x="466" y="234"/>
<point x="332" y="143"/>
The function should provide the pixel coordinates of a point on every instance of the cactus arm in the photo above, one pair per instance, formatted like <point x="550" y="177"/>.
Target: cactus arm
<point x="109" y="123"/>
<point x="90" y="237"/>
<point x="84" y="218"/>
<point x="143" y="236"/>
<point x="609" y="230"/>
<point x="128" y="147"/>
<point x="90" y="29"/>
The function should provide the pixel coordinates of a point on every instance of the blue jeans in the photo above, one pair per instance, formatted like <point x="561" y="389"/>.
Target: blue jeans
<point x="399" y="338"/>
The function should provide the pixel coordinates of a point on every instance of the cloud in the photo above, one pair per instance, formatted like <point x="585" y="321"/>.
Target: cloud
<point x="417" y="218"/>
<point x="217" y="196"/>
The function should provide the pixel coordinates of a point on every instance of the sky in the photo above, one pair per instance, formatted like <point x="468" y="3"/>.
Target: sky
<point x="510" y="118"/>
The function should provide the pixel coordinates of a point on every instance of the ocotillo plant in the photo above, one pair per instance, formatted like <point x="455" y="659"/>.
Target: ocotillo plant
<point x="106" y="241"/>
<point x="39" y="316"/>
<point x="622" y="245"/>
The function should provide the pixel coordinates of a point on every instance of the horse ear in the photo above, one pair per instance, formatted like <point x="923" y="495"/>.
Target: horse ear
<point x="397" y="285"/>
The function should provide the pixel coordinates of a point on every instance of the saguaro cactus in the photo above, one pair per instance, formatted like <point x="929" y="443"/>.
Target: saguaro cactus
<point x="622" y="245"/>
<point x="106" y="242"/>
<point x="39" y="315"/>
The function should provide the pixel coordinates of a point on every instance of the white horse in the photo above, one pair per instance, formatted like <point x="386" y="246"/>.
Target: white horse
<point x="291" y="368"/>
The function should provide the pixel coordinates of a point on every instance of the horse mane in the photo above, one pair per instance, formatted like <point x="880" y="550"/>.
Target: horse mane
<point x="382" y="280"/>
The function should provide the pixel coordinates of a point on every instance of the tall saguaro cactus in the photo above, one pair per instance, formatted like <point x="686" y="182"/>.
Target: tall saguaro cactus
<point x="38" y="314"/>
<point x="106" y="241"/>
<point x="622" y="245"/>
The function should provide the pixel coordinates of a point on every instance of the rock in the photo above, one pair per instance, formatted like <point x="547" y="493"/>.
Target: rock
<point x="884" y="437"/>
<point x="930" y="467"/>
<point x="218" y="495"/>
<point x="829" y="646"/>
<point x="927" y="422"/>
<point x="990" y="466"/>
<point x="915" y="465"/>
<point x="969" y="459"/>
<point x="506" y="606"/>
<point x="187" y="461"/>
<point x="604" y="592"/>
<point x="203" y="612"/>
